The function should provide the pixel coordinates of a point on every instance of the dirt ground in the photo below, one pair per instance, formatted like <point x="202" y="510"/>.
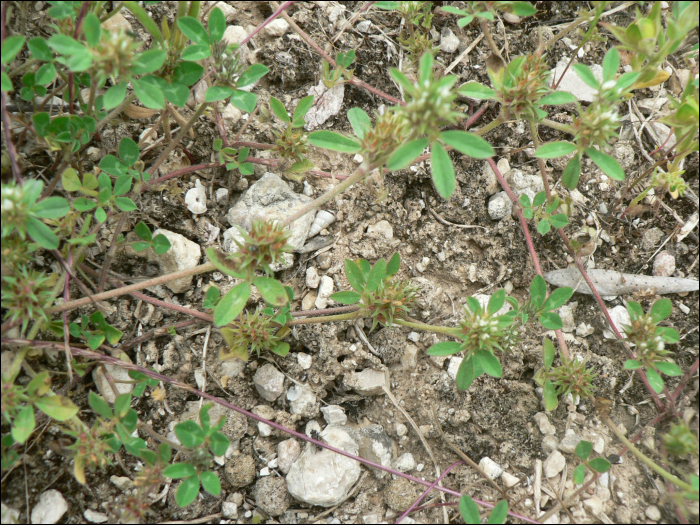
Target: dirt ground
<point x="495" y="417"/>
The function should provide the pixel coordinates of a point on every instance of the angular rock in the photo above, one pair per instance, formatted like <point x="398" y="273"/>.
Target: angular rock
<point x="382" y="229"/>
<point x="287" y="453"/>
<point x="334" y="415"/>
<point x="490" y="467"/>
<point x="620" y="317"/>
<point x="500" y="206"/>
<point x="50" y="508"/>
<point x="275" y="29"/>
<point x="449" y="42"/>
<point x="269" y="382"/>
<point x="664" y="264"/>
<point x="404" y="463"/>
<point x="554" y="464"/>
<point x="324" y="477"/>
<point x="543" y="422"/>
<point x="221" y="195"/>
<point x="325" y="290"/>
<point x="303" y="401"/>
<point x="304" y="360"/>
<point x="327" y="103"/>
<point x="569" y="443"/>
<point x="313" y="279"/>
<point x="119" y="374"/>
<point x="369" y="382"/>
<point x="182" y="255"/>
<point x="271" y="198"/>
<point x="573" y="84"/>
<point x="268" y="413"/>
<point x="376" y="446"/>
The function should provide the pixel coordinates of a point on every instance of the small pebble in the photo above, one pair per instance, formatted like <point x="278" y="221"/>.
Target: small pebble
<point x="653" y="513"/>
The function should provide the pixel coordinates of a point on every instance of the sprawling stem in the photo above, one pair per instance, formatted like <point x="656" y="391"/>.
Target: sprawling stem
<point x="452" y="332"/>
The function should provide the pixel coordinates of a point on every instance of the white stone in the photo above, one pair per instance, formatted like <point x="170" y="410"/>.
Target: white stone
<point x="117" y="24"/>
<point x="182" y="255"/>
<point x="573" y="84"/>
<point x="599" y="445"/>
<point x="381" y="229"/>
<point x="454" y="365"/>
<point x="302" y="401"/>
<point x="376" y="446"/>
<point x="123" y="483"/>
<point x="229" y="510"/>
<point x="420" y="467"/>
<point x="653" y="513"/>
<point x="221" y="195"/>
<point x="50" y="508"/>
<point x="509" y="480"/>
<point x="304" y="360"/>
<point x="490" y="467"/>
<point x="9" y="514"/>
<point x="405" y="462"/>
<point x="325" y="290"/>
<point x="198" y="94"/>
<point x="334" y="415"/>
<point x="228" y="11"/>
<point x="484" y="302"/>
<point x="401" y="429"/>
<point x="594" y="504"/>
<point x="265" y="471"/>
<point x="554" y="464"/>
<point x="269" y="382"/>
<point x="549" y="443"/>
<point x="664" y="264"/>
<point x="94" y="517"/>
<point x="277" y="28"/>
<point x="287" y="453"/>
<point x="121" y="378"/>
<point x="449" y="42"/>
<point x="414" y="337"/>
<point x="236" y="35"/>
<point x="231" y="115"/>
<point x="268" y="413"/>
<point x="500" y="206"/>
<point x="313" y="279"/>
<point x="544" y="424"/>
<point x="566" y="313"/>
<point x="584" y="330"/>
<point x="369" y="382"/>
<point x="323" y="477"/>
<point x="569" y="443"/>
<point x="327" y="103"/>
<point x="620" y="316"/>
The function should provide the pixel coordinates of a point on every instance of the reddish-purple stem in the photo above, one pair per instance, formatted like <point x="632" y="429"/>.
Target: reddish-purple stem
<point x="425" y="493"/>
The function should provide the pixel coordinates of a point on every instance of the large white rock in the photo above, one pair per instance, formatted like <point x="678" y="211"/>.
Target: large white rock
<point x="303" y="401"/>
<point x="324" y="477"/>
<point x="573" y="84"/>
<point x="369" y="382"/>
<point x="269" y="382"/>
<point x="51" y="507"/>
<point x="182" y="255"/>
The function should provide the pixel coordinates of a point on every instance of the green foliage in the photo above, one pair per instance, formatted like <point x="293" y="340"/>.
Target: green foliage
<point x="159" y="243"/>
<point x="542" y="210"/>
<point x="101" y="330"/>
<point x="596" y="465"/>
<point x="343" y="61"/>
<point x="680" y="440"/>
<point x="650" y="342"/>
<point x="25" y="294"/>
<point x="291" y="143"/>
<point x="255" y="333"/>
<point x="202" y="441"/>
<point x="470" y="512"/>
<point x="486" y="10"/>
<point x="382" y="297"/>
<point x="234" y="159"/>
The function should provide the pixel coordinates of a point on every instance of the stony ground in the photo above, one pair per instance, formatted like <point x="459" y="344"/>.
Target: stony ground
<point x="498" y="422"/>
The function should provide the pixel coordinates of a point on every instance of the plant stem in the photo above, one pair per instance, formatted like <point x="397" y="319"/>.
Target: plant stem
<point x="446" y="330"/>
<point x="324" y="319"/>
<point x="540" y="162"/>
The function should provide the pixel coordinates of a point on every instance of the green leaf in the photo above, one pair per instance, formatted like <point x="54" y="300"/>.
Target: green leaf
<point x="655" y="381"/>
<point x="99" y="405"/>
<point x="128" y="151"/>
<point x="41" y="234"/>
<point x="187" y="73"/>
<point x="24" y="423"/>
<point x="179" y="470"/>
<point x="468" y="144"/>
<point x="79" y="62"/>
<point x="586" y="75"/>
<point x="538" y="291"/>
<point x="187" y="491"/>
<point x="632" y="364"/>
<point x="271" y="290"/>
<point x="392" y="267"/>
<point x="125" y="204"/>
<point x="668" y="334"/>
<point x="550" y="320"/>
<point x="443" y="171"/>
<point x="474" y="305"/>
<point x="5" y="82"/>
<point x="496" y="302"/>
<point x="544" y="226"/>
<point x="466" y="373"/>
<point x="557" y="298"/>
<point x="122" y="405"/>
<point x="607" y="164"/>
<point x="500" y="511"/>
<point x="360" y="122"/>
<point x="45" y="74"/>
<point x="584" y="449"/>
<point x="70" y="180"/>
<point x="610" y="64"/>
<point x="488" y="362"/>
<point x="10" y="47"/>
<point x="366" y="268"/>
<point x="346" y="297"/>
<point x="549" y="396"/>
<point x="252" y="75"/>
<point x="280" y="349"/>
<point x="216" y="25"/>
<point x="334" y="141"/>
<point x="149" y="93"/>
<point x="115" y="95"/>
<point x="557" y="98"/>
<point x="160" y="244"/>
<point x="38" y="48"/>
<point x="579" y="474"/>
<point x="279" y="110"/>
<point x="635" y="310"/>
<point x="523" y="8"/>
<point x="189" y="433"/>
<point x="548" y="353"/>
<point x="210" y="482"/>
<point x="194" y="30"/>
<point x="51" y="208"/>
<point x="559" y="220"/>
<point x="231" y="304"/>
<point x="92" y="29"/>
<point x="110" y="164"/>
<point x="148" y="61"/>
<point x="143" y="232"/>
<point x="599" y="464"/>
<point x="476" y="91"/>
<point x="469" y="510"/>
<point x="669" y="369"/>
<point x="554" y="150"/>
<point x="244" y="101"/>
<point x="65" y="45"/>
<point x="406" y="154"/>
<point x="376" y="275"/>
<point x="425" y="68"/>
<point x="219" y="443"/>
<point x="100" y="215"/>
<point x="196" y="52"/>
<point x="660" y="310"/>
<point x="354" y="275"/>
<point x="58" y="407"/>
<point x="444" y="348"/>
